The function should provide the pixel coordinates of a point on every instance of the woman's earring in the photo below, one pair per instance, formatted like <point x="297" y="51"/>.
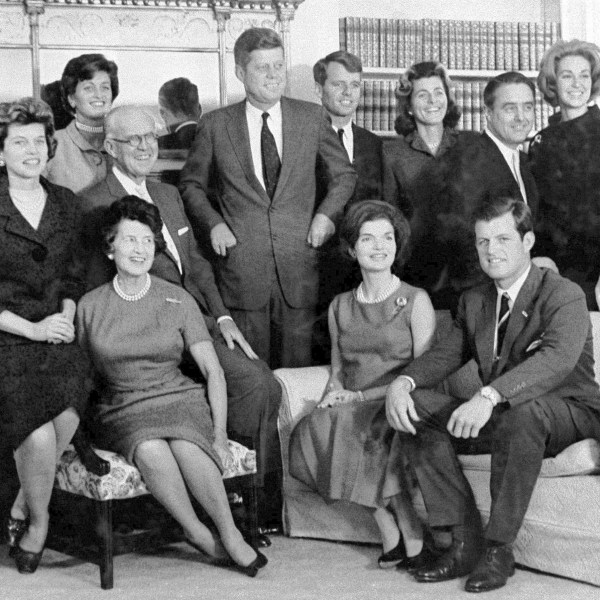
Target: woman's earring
<point x="2" y="163"/>
<point x="110" y="256"/>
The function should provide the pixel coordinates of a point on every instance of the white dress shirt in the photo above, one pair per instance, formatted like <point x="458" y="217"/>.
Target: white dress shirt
<point x="255" y="123"/>
<point x="140" y="190"/>
<point x="512" y="157"/>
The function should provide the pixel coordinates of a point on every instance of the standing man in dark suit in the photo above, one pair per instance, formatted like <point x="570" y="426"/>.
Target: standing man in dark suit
<point x="478" y="165"/>
<point x="180" y="109"/>
<point x="530" y="334"/>
<point x="253" y="394"/>
<point x="265" y="225"/>
<point x="337" y="84"/>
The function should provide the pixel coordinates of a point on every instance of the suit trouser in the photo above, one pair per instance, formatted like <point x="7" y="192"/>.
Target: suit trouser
<point x="518" y="438"/>
<point x="279" y="334"/>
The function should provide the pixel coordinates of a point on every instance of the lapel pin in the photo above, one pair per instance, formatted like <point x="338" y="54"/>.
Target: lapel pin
<point x="524" y="314"/>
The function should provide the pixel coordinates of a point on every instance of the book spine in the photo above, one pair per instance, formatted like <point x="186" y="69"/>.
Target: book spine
<point x="356" y="37"/>
<point x="491" y="37"/>
<point x="468" y="105"/>
<point x="508" y="47"/>
<point x="393" y="104"/>
<point x="342" y="33"/>
<point x="363" y="44"/>
<point x="524" y="46"/>
<point x="368" y="104"/>
<point x="460" y="45"/>
<point x="499" y="45"/>
<point x="376" y="120"/>
<point x="359" y="118"/>
<point x="444" y="48"/>
<point x="458" y="93"/>
<point x="427" y="29"/>
<point x="401" y="36"/>
<point x="452" y="43"/>
<point x="392" y="50"/>
<point x="475" y="41"/>
<point x="476" y="106"/>
<point x="483" y="45"/>
<point x="436" y="42"/>
<point x="384" y="121"/>
<point x="554" y="32"/>
<point x="514" y="39"/>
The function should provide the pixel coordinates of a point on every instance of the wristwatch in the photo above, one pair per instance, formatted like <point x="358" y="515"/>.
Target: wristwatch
<point x="489" y="393"/>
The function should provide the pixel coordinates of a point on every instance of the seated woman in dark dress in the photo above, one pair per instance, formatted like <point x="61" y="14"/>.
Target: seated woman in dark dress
<point x="135" y="329"/>
<point x="42" y="372"/>
<point x="345" y="449"/>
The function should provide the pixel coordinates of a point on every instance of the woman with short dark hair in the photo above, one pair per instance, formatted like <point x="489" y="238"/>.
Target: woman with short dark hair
<point x="90" y="85"/>
<point x="345" y="449"/>
<point x="565" y="164"/>
<point x="42" y="373"/>
<point x="136" y="329"/>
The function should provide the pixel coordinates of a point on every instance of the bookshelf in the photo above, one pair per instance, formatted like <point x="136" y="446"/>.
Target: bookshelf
<point x="473" y="52"/>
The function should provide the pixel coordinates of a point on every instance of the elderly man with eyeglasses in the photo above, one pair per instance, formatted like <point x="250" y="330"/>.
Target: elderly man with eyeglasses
<point x="253" y="393"/>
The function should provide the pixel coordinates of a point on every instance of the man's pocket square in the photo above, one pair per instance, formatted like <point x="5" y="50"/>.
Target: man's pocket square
<point x="535" y="344"/>
<point x="183" y="230"/>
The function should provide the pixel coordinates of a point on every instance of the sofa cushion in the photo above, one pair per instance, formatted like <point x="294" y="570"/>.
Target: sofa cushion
<point x="582" y="458"/>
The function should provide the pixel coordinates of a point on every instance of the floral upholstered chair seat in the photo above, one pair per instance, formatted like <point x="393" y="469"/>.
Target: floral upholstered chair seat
<point x="124" y="480"/>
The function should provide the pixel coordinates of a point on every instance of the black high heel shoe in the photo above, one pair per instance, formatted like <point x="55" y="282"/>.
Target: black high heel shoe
<point x="27" y="562"/>
<point x="253" y="568"/>
<point x="15" y="529"/>
<point x="394" y="557"/>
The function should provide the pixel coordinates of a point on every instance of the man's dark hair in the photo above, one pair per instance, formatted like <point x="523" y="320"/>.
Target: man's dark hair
<point x="497" y="205"/>
<point x="255" y="38"/>
<point x="350" y="62"/>
<point x="489" y="93"/>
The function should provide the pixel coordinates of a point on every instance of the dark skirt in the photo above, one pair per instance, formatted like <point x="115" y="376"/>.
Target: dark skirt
<point x="345" y="453"/>
<point x="38" y="381"/>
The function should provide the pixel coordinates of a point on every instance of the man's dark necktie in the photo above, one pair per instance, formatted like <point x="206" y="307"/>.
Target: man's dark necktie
<point x="503" y="316"/>
<point x="271" y="162"/>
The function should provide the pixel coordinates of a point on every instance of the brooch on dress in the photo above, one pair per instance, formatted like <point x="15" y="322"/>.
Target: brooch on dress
<point x="400" y="303"/>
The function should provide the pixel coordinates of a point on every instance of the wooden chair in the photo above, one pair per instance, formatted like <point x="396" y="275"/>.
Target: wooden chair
<point x="124" y="482"/>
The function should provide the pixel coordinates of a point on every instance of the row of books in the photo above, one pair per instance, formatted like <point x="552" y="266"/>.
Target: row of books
<point x="377" y="110"/>
<point x="476" y="45"/>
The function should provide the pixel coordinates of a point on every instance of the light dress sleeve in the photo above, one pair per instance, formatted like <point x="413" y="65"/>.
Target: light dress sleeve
<point x="193" y="326"/>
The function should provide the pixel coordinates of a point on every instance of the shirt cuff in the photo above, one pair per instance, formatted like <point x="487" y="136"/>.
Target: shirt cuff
<point x="223" y="318"/>
<point x="410" y="380"/>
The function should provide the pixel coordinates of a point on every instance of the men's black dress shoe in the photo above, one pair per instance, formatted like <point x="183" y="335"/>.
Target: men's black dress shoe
<point x="492" y="570"/>
<point x="457" y="561"/>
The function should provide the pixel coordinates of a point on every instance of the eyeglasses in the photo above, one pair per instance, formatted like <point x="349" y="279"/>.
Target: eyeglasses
<point x="135" y="140"/>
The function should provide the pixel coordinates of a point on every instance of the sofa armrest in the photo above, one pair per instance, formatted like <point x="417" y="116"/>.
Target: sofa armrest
<point x="301" y="391"/>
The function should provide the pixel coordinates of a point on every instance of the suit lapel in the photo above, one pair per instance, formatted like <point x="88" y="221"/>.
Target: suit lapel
<point x="237" y="129"/>
<point x="486" y="328"/>
<point x="505" y="170"/>
<point x="519" y="315"/>
<point x="164" y="207"/>
<point x="16" y="223"/>
<point x="293" y="132"/>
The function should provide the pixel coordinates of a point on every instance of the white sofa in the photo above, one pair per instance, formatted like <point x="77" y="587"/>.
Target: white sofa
<point x="561" y="531"/>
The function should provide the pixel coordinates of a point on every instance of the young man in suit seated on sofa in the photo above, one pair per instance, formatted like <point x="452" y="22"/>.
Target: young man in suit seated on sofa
<point x="529" y="331"/>
<point x="337" y="84"/>
<point x="253" y="394"/>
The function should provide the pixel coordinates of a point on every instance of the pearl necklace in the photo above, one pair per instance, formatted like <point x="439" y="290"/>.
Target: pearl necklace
<point x="390" y="289"/>
<point x="88" y="128"/>
<point x="133" y="297"/>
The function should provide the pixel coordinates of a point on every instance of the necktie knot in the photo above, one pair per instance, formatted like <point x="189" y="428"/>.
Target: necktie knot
<point x="265" y="116"/>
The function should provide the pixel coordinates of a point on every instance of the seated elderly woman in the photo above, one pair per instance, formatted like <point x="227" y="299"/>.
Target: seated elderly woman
<point x="89" y="87"/>
<point x="42" y="372"/>
<point x="135" y="329"/>
<point x="345" y="449"/>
